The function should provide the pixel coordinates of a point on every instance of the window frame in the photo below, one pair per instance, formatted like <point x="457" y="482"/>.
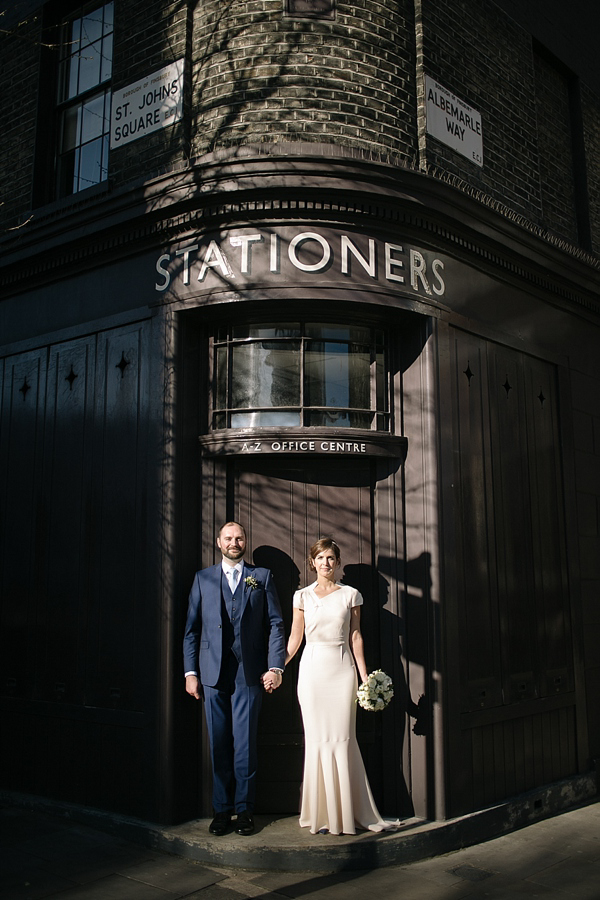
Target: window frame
<point x="58" y="19"/>
<point x="381" y="420"/>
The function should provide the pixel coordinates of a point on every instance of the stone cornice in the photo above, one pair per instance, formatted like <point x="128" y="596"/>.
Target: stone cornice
<point x="299" y="182"/>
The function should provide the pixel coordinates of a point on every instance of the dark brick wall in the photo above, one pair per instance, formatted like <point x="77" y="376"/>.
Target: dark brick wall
<point x="555" y="149"/>
<point x="484" y="58"/>
<point x="255" y="75"/>
<point x="591" y="132"/>
<point x="19" y="65"/>
<point x="148" y="36"/>
<point x="260" y="76"/>
<point x="586" y="417"/>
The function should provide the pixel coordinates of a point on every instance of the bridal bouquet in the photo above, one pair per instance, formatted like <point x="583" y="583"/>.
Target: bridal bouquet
<point x="376" y="692"/>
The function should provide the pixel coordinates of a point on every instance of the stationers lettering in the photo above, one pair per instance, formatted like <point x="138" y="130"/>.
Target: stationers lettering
<point x="264" y="256"/>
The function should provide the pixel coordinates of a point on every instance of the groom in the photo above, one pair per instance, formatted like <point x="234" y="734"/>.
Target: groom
<point x="234" y="641"/>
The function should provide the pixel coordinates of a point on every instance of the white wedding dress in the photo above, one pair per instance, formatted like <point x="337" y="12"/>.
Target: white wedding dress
<point x="335" y="791"/>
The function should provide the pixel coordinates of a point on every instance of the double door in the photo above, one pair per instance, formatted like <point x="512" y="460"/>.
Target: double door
<point x="286" y="504"/>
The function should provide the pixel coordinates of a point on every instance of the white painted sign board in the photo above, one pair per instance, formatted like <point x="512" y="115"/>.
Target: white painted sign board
<point x="453" y="122"/>
<point x="147" y="105"/>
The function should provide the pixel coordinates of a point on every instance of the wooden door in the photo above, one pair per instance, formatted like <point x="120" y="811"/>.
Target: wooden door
<point x="286" y="506"/>
<point x="517" y="724"/>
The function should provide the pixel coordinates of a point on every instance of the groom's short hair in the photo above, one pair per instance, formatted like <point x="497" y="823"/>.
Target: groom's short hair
<point x="227" y="524"/>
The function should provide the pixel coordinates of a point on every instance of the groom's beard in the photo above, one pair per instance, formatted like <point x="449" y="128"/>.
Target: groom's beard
<point x="233" y="555"/>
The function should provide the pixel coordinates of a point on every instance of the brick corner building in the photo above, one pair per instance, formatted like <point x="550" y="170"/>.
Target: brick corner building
<point x="326" y="268"/>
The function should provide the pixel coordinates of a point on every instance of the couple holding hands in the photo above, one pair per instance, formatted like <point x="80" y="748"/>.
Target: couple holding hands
<point x="234" y="651"/>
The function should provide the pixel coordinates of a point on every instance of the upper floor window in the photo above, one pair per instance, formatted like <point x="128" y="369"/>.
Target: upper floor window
<point x="300" y="374"/>
<point x="83" y="101"/>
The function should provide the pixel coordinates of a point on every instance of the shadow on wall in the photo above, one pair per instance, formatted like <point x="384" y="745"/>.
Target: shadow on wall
<point x="390" y="638"/>
<point x="393" y="642"/>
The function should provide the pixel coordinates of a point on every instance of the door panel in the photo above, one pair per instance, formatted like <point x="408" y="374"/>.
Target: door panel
<point x="286" y="507"/>
<point x="518" y="727"/>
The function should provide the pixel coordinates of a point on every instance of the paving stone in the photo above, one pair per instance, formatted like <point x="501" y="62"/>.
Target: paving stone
<point x="17" y="826"/>
<point x="115" y="887"/>
<point x="217" y="892"/>
<point x="91" y="865"/>
<point x="173" y="874"/>
<point x="576" y="877"/>
<point x="32" y="885"/>
<point x="516" y="890"/>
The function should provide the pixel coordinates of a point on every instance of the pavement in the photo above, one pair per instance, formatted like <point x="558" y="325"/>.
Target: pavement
<point x="45" y="854"/>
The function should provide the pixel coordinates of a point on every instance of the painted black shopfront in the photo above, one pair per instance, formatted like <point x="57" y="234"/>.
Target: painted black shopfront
<point x="314" y="346"/>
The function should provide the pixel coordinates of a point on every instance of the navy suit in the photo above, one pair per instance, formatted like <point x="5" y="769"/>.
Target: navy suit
<point x="231" y="640"/>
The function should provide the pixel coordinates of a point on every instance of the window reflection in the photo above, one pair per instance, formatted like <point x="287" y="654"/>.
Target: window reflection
<point x="84" y="100"/>
<point x="337" y="375"/>
<point x="292" y="374"/>
<point x="265" y="374"/>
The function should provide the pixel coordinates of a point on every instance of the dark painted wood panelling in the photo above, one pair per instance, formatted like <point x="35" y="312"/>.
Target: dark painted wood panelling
<point x="119" y="619"/>
<point x="520" y="754"/>
<point x="22" y="428"/>
<point x="518" y="727"/>
<point x="65" y="548"/>
<point x="548" y="527"/>
<point x="481" y="684"/>
<point x="416" y="566"/>
<point x="77" y="631"/>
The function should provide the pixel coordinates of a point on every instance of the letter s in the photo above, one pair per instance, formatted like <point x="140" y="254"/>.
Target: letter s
<point x="439" y="288"/>
<point x="162" y="271"/>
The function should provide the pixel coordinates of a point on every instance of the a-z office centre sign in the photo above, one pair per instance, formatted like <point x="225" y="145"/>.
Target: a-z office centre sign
<point x="453" y="122"/>
<point x="146" y="105"/>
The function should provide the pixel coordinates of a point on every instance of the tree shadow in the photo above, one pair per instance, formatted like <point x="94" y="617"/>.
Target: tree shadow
<point x="393" y="638"/>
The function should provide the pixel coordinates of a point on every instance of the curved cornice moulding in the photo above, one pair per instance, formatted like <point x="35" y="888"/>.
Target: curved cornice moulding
<point x="299" y="182"/>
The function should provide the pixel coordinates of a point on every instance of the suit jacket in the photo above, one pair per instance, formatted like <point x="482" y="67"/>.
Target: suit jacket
<point x="261" y="626"/>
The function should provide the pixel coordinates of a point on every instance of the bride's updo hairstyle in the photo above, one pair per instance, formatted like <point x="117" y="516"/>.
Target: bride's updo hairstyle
<point x="319" y="546"/>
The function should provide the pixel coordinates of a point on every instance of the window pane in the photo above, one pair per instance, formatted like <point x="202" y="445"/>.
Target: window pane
<point x="91" y="27"/>
<point x="106" y="63"/>
<point x="337" y="418"/>
<point x="221" y="376"/>
<point x="266" y="374"/>
<point x="339" y="332"/>
<point x="108" y="18"/>
<point x="93" y="124"/>
<point x="337" y="375"/>
<point x="89" y="67"/>
<point x="71" y="128"/>
<point x="84" y="129"/>
<point x="90" y="165"/>
<point x="104" y="166"/>
<point x="380" y="382"/>
<point x="67" y="78"/>
<point x="75" y="36"/>
<point x="281" y="419"/>
<point x="265" y="331"/>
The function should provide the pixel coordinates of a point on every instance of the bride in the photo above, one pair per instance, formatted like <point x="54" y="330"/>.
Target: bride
<point x="336" y="796"/>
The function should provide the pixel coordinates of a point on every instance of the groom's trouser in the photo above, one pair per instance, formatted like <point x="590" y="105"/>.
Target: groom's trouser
<point x="232" y="709"/>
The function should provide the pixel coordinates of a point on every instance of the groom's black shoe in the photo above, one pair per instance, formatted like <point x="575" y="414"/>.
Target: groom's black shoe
<point x="245" y="823"/>
<point x="220" y="823"/>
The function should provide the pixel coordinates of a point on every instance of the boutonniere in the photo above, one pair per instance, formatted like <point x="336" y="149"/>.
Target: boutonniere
<point x="251" y="582"/>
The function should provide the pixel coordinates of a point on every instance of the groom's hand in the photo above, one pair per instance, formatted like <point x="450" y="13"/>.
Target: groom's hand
<point x="193" y="686"/>
<point x="271" y="681"/>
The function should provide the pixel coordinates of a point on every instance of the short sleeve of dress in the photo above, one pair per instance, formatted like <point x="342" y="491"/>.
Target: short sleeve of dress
<point x="356" y="599"/>
<point x="298" y="600"/>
